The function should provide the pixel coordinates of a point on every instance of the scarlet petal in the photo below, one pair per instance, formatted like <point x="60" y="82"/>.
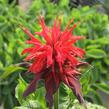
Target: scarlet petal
<point x="27" y="50"/>
<point x="72" y="59"/>
<point x="49" y="56"/>
<point x="67" y="33"/>
<point x="56" y="30"/>
<point x="68" y="25"/>
<point x="38" y="64"/>
<point x="80" y="52"/>
<point x="30" y="35"/>
<point x="32" y="86"/>
<point x="33" y="42"/>
<point x="73" y="39"/>
<point x="45" y="30"/>
<point x="59" y="60"/>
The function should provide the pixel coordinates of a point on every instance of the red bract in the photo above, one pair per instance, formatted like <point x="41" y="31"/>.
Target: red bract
<point x="55" y="61"/>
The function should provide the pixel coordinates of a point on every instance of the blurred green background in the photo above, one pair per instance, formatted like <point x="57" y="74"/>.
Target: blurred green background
<point x="93" y="16"/>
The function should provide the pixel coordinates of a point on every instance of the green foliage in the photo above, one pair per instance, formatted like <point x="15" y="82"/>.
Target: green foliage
<point x="33" y="101"/>
<point x="102" y="86"/>
<point x="9" y="51"/>
<point x="93" y="25"/>
<point x="37" y="101"/>
<point x="96" y="45"/>
<point x="9" y="70"/>
<point x="89" y="106"/>
<point x="96" y="53"/>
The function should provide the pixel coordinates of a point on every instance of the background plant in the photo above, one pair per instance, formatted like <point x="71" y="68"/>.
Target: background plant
<point x="95" y="29"/>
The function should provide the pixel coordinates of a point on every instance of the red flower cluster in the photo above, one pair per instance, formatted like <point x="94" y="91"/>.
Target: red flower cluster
<point x="55" y="61"/>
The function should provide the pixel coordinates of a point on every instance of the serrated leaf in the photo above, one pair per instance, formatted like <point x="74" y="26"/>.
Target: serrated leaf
<point x="89" y="105"/>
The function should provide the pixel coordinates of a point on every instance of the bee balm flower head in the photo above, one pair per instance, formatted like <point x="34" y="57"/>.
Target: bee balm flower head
<point x="55" y="61"/>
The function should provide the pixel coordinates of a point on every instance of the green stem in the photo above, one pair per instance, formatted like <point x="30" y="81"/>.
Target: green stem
<point x="56" y="100"/>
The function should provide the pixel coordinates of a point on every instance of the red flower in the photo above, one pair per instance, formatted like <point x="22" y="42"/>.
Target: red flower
<point x="55" y="61"/>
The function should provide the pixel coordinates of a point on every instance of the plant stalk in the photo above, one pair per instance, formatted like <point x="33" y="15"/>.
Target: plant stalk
<point x="56" y="100"/>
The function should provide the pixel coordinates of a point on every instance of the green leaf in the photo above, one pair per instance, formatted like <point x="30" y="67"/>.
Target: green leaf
<point x="96" y="53"/>
<point x="94" y="95"/>
<point x="92" y="47"/>
<point x="103" y="41"/>
<point x="21" y="107"/>
<point x="89" y="105"/>
<point x="20" y="89"/>
<point x="35" y="100"/>
<point x="31" y="104"/>
<point x="106" y="60"/>
<point x="103" y="87"/>
<point x="1" y="41"/>
<point x="64" y="3"/>
<point x="9" y="70"/>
